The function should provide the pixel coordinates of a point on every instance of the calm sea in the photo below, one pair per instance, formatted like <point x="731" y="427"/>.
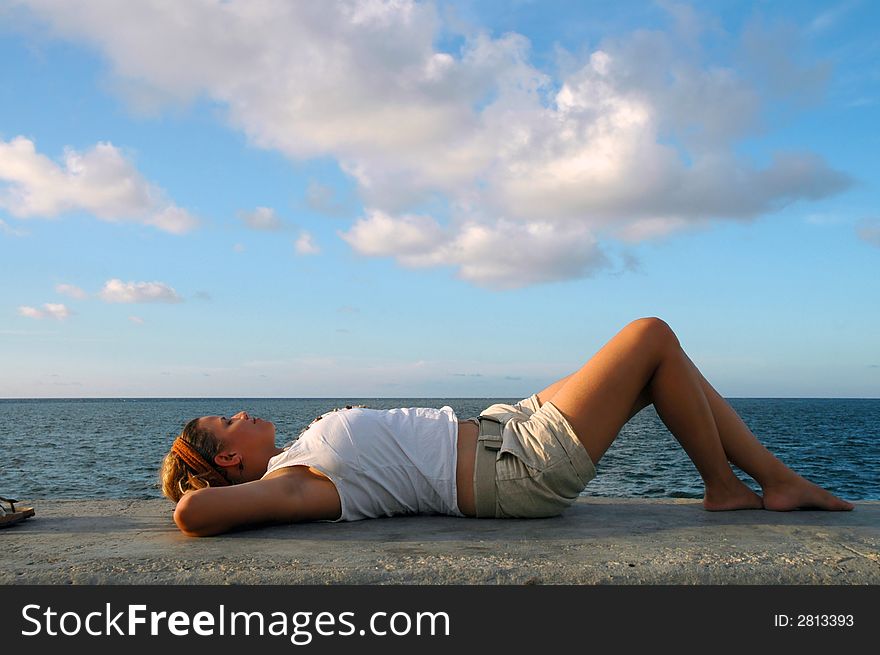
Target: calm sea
<point x="111" y="448"/>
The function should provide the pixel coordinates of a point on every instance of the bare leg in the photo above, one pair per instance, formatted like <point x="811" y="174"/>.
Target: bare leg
<point x="643" y="340"/>
<point x="642" y="401"/>
<point x="783" y="488"/>
<point x="599" y="399"/>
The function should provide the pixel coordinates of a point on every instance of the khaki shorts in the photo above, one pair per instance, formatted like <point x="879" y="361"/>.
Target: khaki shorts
<point x="541" y="467"/>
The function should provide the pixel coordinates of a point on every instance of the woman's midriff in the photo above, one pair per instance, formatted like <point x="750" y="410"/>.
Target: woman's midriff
<point x="468" y="431"/>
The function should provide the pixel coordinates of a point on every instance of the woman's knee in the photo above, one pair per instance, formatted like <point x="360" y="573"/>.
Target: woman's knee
<point x="654" y="330"/>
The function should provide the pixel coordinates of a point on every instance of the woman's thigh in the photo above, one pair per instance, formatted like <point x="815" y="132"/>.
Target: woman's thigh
<point x="600" y="397"/>
<point x="546" y="394"/>
<point x="643" y="400"/>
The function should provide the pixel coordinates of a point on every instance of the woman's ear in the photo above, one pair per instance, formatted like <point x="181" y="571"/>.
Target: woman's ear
<point x="227" y="458"/>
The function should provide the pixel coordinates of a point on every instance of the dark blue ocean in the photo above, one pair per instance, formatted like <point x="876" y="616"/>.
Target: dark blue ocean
<point x="112" y="448"/>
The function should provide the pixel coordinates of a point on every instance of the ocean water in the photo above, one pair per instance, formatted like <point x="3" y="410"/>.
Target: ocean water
<point x="112" y="448"/>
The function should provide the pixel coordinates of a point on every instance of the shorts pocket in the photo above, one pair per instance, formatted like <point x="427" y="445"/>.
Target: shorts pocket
<point x="537" y="449"/>
<point x="564" y="479"/>
<point x="527" y="498"/>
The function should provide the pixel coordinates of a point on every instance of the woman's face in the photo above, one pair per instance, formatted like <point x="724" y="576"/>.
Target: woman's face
<point x="248" y="436"/>
<point x="241" y="426"/>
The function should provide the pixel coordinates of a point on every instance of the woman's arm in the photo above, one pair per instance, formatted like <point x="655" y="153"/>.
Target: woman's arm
<point x="286" y="498"/>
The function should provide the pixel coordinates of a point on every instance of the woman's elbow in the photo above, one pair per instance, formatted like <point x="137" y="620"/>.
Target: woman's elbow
<point x="187" y="516"/>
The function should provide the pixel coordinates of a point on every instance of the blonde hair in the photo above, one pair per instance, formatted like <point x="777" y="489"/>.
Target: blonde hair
<point x="175" y="476"/>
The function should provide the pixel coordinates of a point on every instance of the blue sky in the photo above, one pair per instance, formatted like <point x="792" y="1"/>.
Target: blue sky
<point x="397" y="199"/>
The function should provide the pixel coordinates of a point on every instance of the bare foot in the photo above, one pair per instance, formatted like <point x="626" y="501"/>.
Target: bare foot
<point x="800" y="493"/>
<point x="736" y="496"/>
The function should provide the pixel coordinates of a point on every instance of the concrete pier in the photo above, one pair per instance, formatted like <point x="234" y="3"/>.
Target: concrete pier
<point x="597" y="541"/>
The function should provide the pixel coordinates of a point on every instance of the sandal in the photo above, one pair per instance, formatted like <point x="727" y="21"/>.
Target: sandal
<point x="11" y="515"/>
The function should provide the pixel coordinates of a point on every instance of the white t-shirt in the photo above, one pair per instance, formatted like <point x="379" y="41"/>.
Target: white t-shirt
<point x="383" y="462"/>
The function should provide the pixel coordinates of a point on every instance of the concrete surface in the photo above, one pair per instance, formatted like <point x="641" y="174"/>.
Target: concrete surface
<point x="597" y="541"/>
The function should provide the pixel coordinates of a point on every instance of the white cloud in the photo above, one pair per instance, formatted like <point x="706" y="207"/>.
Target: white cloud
<point x="868" y="230"/>
<point x="634" y="140"/>
<point x="71" y="290"/>
<point x="238" y="247"/>
<point x="650" y="228"/>
<point x="56" y="310"/>
<point x="171" y="219"/>
<point x="50" y="310"/>
<point x="381" y="235"/>
<point x="100" y="181"/>
<point x="262" y="218"/>
<point x="305" y="245"/>
<point x="117" y="291"/>
<point x="30" y="312"/>
<point x="137" y="320"/>
<point x="502" y="255"/>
